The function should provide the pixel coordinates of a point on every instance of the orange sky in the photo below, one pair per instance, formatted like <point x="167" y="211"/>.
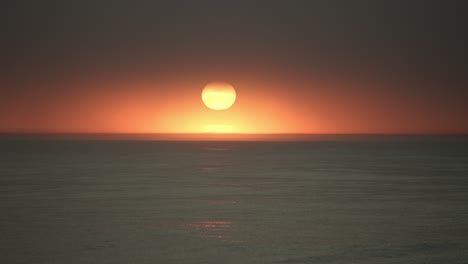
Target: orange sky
<point x="149" y="105"/>
<point x="373" y="67"/>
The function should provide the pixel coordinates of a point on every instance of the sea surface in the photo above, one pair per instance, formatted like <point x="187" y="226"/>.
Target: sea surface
<point x="355" y="200"/>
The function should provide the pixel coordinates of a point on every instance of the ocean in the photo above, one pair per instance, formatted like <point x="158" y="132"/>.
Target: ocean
<point x="360" y="199"/>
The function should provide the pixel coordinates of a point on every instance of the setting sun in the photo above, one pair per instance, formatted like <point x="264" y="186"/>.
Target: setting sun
<point x="219" y="95"/>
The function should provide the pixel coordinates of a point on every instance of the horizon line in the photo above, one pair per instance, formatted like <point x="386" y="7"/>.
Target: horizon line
<point x="278" y="137"/>
<point x="237" y="133"/>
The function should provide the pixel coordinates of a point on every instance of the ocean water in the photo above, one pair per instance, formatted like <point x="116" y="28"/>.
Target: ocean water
<point x="361" y="200"/>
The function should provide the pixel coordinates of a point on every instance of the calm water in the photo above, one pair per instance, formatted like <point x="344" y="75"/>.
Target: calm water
<point x="389" y="200"/>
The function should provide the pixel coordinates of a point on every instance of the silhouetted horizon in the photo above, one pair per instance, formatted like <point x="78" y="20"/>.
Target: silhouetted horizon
<point x="224" y="136"/>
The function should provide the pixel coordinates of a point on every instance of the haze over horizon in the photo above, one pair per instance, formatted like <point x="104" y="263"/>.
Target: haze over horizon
<point x="318" y="67"/>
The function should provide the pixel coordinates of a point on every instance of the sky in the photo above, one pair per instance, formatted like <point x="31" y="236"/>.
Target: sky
<point x="378" y="67"/>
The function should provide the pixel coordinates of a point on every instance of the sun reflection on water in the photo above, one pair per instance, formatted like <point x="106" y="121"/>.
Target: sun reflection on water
<point x="221" y="230"/>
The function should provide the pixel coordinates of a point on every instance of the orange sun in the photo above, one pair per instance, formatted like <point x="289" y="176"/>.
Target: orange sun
<point x="219" y="95"/>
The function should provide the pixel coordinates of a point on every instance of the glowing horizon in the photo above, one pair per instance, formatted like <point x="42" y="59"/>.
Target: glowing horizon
<point x="262" y="107"/>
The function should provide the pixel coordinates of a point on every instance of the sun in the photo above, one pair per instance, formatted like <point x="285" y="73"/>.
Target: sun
<point x="218" y="95"/>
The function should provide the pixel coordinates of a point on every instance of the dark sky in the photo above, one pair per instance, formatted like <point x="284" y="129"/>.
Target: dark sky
<point x="414" y="49"/>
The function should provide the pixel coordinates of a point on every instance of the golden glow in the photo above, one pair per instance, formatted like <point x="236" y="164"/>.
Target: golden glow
<point x="219" y="95"/>
<point x="218" y="129"/>
<point x="259" y="111"/>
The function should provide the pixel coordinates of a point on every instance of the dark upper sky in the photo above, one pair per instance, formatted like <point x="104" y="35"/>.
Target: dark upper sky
<point x="415" y="47"/>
